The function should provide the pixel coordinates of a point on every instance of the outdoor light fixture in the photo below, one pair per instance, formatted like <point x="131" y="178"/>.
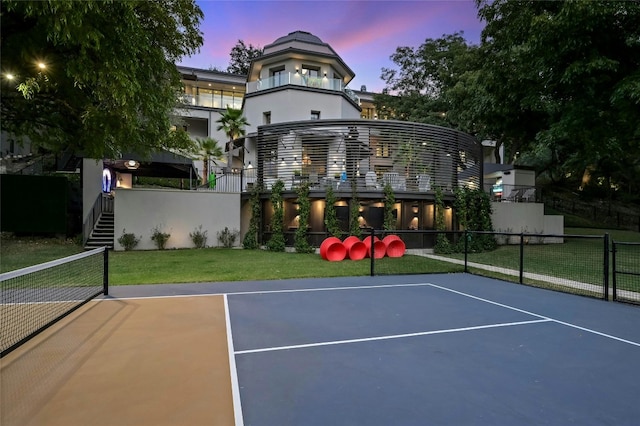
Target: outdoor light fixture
<point x="9" y="76"/>
<point x="41" y="65"/>
<point x="325" y="73"/>
<point x="131" y="164"/>
<point x="249" y="166"/>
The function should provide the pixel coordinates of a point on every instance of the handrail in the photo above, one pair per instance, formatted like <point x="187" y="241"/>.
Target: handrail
<point x="102" y="204"/>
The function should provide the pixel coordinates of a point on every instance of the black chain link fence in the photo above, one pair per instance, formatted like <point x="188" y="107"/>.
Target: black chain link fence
<point x="578" y="264"/>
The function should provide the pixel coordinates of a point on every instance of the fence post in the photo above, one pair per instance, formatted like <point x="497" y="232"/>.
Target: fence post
<point x="606" y="266"/>
<point x="372" y="254"/>
<point x="105" y="272"/>
<point x="614" y="291"/>
<point x="466" y="249"/>
<point x="521" y="257"/>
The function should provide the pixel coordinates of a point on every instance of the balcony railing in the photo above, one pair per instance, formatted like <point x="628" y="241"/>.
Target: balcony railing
<point x="211" y="101"/>
<point x="297" y="79"/>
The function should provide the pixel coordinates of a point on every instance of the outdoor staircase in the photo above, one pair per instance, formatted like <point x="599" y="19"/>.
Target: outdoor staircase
<point x="103" y="232"/>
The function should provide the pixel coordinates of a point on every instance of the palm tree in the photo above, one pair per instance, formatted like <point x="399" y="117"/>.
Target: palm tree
<point x="233" y="123"/>
<point x="208" y="148"/>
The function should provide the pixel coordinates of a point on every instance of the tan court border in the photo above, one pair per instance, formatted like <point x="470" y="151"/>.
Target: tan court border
<point x="161" y="361"/>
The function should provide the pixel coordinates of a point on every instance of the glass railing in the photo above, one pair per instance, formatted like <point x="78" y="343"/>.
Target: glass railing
<point x="209" y="101"/>
<point x="297" y="79"/>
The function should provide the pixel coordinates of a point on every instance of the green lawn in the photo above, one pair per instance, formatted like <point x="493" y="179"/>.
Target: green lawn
<point x="215" y="265"/>
<point x="209" y="265"/>
<point x="16" y="253"/>
<point x="575" y="259"/>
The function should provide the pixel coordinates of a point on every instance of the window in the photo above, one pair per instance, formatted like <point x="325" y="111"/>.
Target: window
<point x="311" y="76"/>
<point x="382" y="149"/>
<point x="310" y="71"/>
<point x="266" y="117"/>
<point x="278" y="75"/>
<point x="315" y="115"/>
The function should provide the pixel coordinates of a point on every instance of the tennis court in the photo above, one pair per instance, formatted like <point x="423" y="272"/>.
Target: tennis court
<point x="452" y="349"/>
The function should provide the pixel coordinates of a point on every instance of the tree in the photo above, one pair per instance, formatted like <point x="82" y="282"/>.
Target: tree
<point x="208" y="148"/>
<point x="423" y="77"/>
<point x="241" y="57"/>
<point x="232" y="122"/>
<point x="75" y="77"/>
<point x="571" y="68"/>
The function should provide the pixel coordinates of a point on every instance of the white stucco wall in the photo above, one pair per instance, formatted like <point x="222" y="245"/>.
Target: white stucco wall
<point x="91" y="183"/>
<point x="525" y="217"/>
<point x="296" y="105"/>
<point x="176" y="212"/>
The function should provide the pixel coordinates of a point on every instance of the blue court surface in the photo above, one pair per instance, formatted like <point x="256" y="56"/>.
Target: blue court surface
<point x="452" y="349"/>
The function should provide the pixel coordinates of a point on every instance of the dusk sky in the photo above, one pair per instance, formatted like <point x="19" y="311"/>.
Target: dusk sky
<point x="363" y="33"/>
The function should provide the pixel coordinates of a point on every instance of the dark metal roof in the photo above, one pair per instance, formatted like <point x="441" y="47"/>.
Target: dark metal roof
<point x="160" y="164"/>
<point x="305" y="36"/>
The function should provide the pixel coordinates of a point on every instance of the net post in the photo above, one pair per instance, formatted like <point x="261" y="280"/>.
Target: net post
<point x="105" y="273"/>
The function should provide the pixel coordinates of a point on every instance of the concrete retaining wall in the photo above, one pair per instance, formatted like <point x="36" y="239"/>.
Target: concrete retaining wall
<point x="175" y="212"/>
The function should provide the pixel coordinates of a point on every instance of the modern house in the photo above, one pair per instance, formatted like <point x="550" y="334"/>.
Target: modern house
<point x="305" y="125"/>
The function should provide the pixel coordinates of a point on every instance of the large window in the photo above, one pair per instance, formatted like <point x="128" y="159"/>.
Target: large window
<point x="310" y="71"/>
<point x="278" y="75"/>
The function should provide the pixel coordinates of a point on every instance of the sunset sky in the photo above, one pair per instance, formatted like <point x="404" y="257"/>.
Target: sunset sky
<point x="363" y="33"/>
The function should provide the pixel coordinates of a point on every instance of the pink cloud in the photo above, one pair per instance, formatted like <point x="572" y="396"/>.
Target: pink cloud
<point x="363" y="33"/>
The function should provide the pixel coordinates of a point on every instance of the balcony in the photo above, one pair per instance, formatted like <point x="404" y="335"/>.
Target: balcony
<point x="297" y="79"/>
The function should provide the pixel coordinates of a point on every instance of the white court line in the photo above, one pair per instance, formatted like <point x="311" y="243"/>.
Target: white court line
<point x="235" y="388"/>
<point x="293" y="290"/>
<point x="391" y="286"/>
<point x="588" y="330"/>
<point x="389" y="337"/>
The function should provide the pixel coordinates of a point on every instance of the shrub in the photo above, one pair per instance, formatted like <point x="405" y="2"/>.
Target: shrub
<point x="389" y="203"/>
<point x="128" y="240"/>
<point x="227" y="238"/>
<point x="251" y="237"/>
<point x="330" y="218"/>
<point x="277" y="241"/>
<point x="301" y="241"/>
<point x="199" y="237"/>
<point x="159" y="238"/>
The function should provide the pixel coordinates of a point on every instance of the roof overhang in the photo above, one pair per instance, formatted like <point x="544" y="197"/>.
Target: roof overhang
<point x="160" y="164"/>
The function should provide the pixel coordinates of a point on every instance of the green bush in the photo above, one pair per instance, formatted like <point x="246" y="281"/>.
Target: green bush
<point x="128" y="240"/>
<point x="277" y="241"/>
<point x="250" y="240"/>
<point x="159" y="238"/>
<point x="227" y="238"/>
<point x="199" y="237"/>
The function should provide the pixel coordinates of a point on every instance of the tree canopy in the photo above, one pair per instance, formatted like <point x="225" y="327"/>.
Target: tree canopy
<point x="556" y="82"/>
<point x="241" y="57"/>
<point x="95" y="77"/>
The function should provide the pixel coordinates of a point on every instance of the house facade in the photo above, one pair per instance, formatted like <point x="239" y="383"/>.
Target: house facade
<point x="307" y="126"/>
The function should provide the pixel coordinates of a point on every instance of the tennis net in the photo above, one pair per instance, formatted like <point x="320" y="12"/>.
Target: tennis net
<point x="34" y="298"/>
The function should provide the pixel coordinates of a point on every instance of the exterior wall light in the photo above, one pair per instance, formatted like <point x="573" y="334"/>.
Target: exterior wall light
<point x="132" y="164"/>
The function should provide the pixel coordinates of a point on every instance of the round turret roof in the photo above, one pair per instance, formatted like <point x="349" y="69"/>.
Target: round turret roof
<point x="299" y="36"/>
